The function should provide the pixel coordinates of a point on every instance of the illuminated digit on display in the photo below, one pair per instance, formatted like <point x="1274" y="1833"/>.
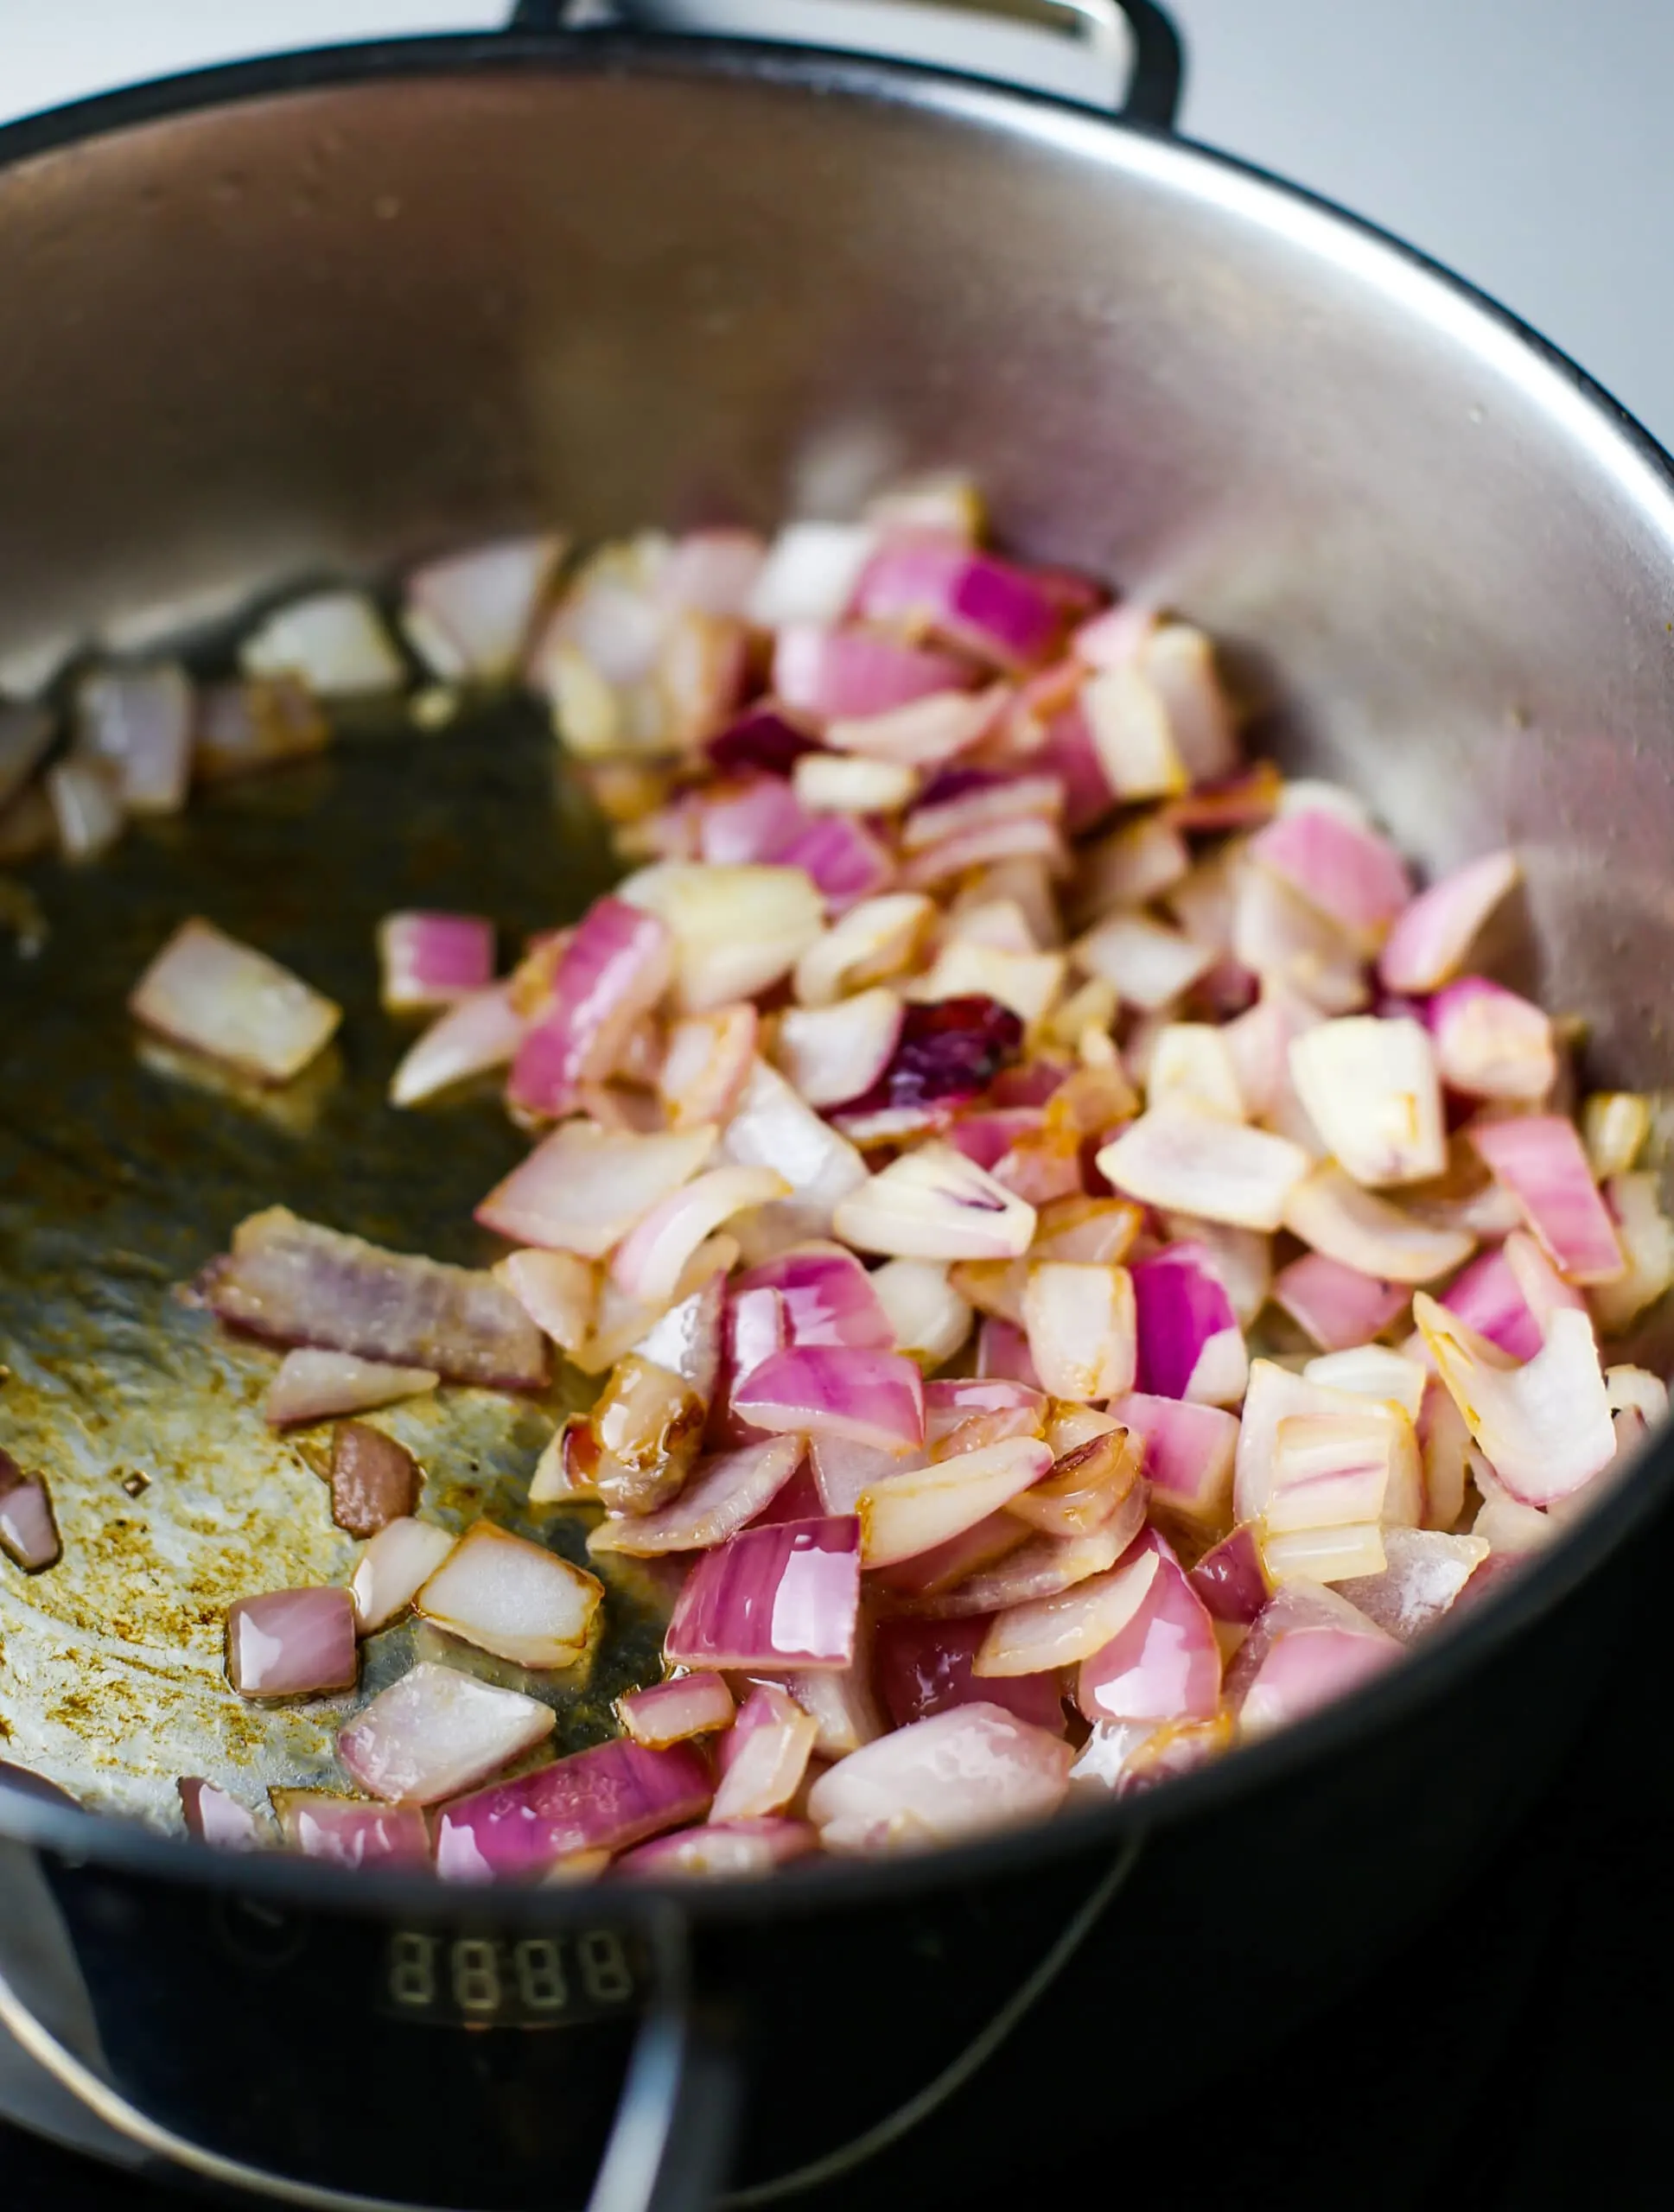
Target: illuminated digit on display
<point x="412" y="1969"/>
<point x="540" y="1974"/>
<point x="476" y="1975"/>
<point x="604" y="1969"/>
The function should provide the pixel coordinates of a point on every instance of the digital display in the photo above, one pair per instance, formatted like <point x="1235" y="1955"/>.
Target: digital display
<point x="526" y="1981"/>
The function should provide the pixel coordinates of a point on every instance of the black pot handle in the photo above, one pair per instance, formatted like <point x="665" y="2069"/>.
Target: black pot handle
<point x="668" y="2151"/>
<point x="1152" y="49"/>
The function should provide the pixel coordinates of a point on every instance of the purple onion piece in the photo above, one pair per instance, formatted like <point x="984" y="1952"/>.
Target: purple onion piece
<point x="604" y="1799"/>
<point x="775" y="1598"/>
<point x="291" y="1643"/>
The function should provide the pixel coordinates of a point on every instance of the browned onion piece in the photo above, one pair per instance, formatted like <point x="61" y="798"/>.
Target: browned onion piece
<point x="374" y="1480"/>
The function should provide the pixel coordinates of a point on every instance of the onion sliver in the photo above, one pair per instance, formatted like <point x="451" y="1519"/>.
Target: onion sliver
<point x="314" y="1385"/>
<point x="1337" y="1305"/>
<point x="652" y="1257"/>
<point x="583" y="1188"/>
<point x="1163" y="1663"/>
<point x="772" y="1128"/>
<point x="321" y="1825"/>
<point x="481" y="1032"/>
<point x="436" y="1731"/>
<point x="771" y="1743"/>
<point x="1331" y="1213"/>
<point x="735" y="930"/>
<point x="719" y="1497"/>
<point x="1428" y="945"/>
<point x="1491" y="1044"/>
<point x="393" y="1568"/>
<point x="1062" y="1630"/>
<point x="1539" y="1159"/>
<point x="512" y="1597"/>
<point x="669" y="1712"/>
<point x="205" y="990"/>
<point x="613" y="971"/>
<point x="1188" y="1457"/>
<point x="957" y="1774"/>
<point x="772" y="1599"/>
<point x="430" y="961"/>
<point x="1181" y="1156"/>
<point x="1348" y="872"/>
<point x="903" y="1515"/>
<point x="1545" y="1425"/>
<point x="833" y="1053"/>
<point x="1080" y="1322"/>
<point x="934" y="1203"/>
<point x="615" y="1795"/>
<point x="1190" y="1345"/>
<point x="870" y="1397"/>
<point x="1040" y="1568"/>
<point x="1370" y="1089"/>
<point x="927" y="1317"/>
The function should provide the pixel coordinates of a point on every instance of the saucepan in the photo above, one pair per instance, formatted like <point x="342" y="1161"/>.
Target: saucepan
<point x="319" y="314"/>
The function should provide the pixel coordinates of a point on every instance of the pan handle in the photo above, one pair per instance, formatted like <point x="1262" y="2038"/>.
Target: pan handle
<point x="1084" y="50"/>
<point x="668" y="2148"/>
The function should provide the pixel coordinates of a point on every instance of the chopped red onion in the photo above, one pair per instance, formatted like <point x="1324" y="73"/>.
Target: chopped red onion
<point x="431" y="960"/>
<point x="1647" y="1241"/>
<point x="1149" y="964"/>
<point x="1292" y="947"/>
<point x="1076" y="1228"/>
<point x="652" y="1258"/>
<point x="334" y="640"/>
<point x="86" y="809"/>
<point x="615" y="1795"/>
<point x="1038" y="1569"/>
<point x="1188" y="1457"/>
<point x="244" y="729"/>
<point x="140" y="721"/>
<point x="1189" y="1342"/>
<point x="1485" y="1298"/>
<point x="374" y="1480"/>
<point x="841" y="674"/>
<point x="321" y="1825"/>
<point x="393" y="1568"/>
<point x="719" y="1497"/>
<point x="469" y="614"/>
<point x="955" y="1774"/>
<point x="292" y="1280"/>
<point x="1068" y="754"/>
<point x="1425" y="1571"/>
<point x="479" y="1033"/>
<point x="772" y="1128"/>
<point x="1337" y="1306"/>
<point x="1346" y="872"/>
<point x="1614" y="1125"/>
<point x="1375" y="1371"/>
<point x="1002" y="1352"/>
<point x="844" y="1468"/>
<point x="1330" y="1212"/>
<point x="714" y="571"/>
<point x="291" y="1643"/>
<point x="1307" y="1647"/>
<point x="959" y="799"/>
<point x="1491" y="1044"/>
<point x="902" y="1514"/>
<point x="1231" y="1579"/>
<point x="687" y="1339"/>
<point x="1064" y="1629"/>
<point x="1370" y="1089"/>
<point x="1128" y="720"/>
<point x="736" y="930"/>
<point x="1164" y="1664"/>
<point x="832" y="1053"/>
<point x="1081" y="1327"/>
<point x="647" y="1424"/>
<point x="763" y="738"/>
<point x="840" y="783"/>
<point x="583" y="1188"/>
<point x="1184" y="1157"/>
<point x="1545" y="1425"/>
<point x="731" y="1849"/>
<point x="558" y="1291"/>
<point x="841" y="1704"/>
<point x="871" y="942"/>
<point x="1432" y="935"/>
<point x="871" y="1397"/>
<point x="215" y="1817"/>
<point x="28" y="1528"/>
<point x="512" y="1597"/>
<point x="924" y="1667"/>
<point x="772" y="1600"/>
<point x="670" y="1712"/>
<point x="764" y="1757"/>
<point x="1028" y="837"/>
<point x="843" y="862"/>
<point x="944" y="1053"/>
<point x="206" y="991"/>
<point x="613" y="969"/>
<point x="924" y="734"/>
<point x="436" y="1731"/>
<point x="937" y="583"/>
<point x="706" y="1065"/>
<point x="319" y="1385"/>
<point x="1090" y="1479"/>
<point x="829" y="1298"/>
<point x="933" y="1204"/>
<point x="1179" y="662"/>
<point x="811" y="573"/>
<point x="927" y="1317"/>
<point x="749" y="821"/>
<point x="1538" y="1158"/>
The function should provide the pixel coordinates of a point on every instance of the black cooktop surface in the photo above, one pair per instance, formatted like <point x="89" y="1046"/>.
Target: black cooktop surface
<point x="1520" y="2054"/>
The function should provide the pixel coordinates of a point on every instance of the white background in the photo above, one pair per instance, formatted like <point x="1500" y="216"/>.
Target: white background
<point x="1529" y="142"/>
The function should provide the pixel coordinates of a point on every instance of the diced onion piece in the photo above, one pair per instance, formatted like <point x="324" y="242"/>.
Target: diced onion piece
<point x="1188" y="1453"/>
<point x="1190" y="1345"/>
<point x="607" y="1798"/>
<point x="956" y="1774"/>
<point x="1423" y="1572"/>
<point x="140" y="720"/>
<point x="321" y="1825"/>
<point x="1308" y="1647"/>
<point x="650" y="1261"/>
<point x="1275" y="1395"/>
<point x="244" y="728"/>
<point x="482" y="1031"/>
<point x="990" y="1581"/>
<point x="217" y="1818"/>
<point x="436" y="1731"/>
<point x="846" y="672"/>
<point x="1337" y="1305"/>
<point x="834" y="782"/>
<point x="1428" y="945"/>
<point x="1370" y="1088"/>
<point x="723" y="1850"/>
<point x="933" y="1204"/>
<point x="1131" y="866"/>
<point x="1182" y="1156"/>
<point x="205" y="990"/>
<point x="1128" y="719"/>
<point x="1538" y="1158"/>
<point x="556" y="1290"/>
<point x="1085" y="1229"/>
<point x="927" y="1315"/>
<point x="393" y="1568"/>
<point x="1178" y="661"/>
<point x="1545" y="1425"/>
<point x="583" y="1188"/>
<point x="713" y="571"/>
<point x="686" y="1339"/>
<point x="811" y="573"/>
<point x="670" y="1712"/>
<point x="1647" y="1238"/>
<point x="706" y="1063"/>
<point x="1148" y="964"/>
<point x="1491" y="1044"/>
<point x="870" y="1397"/>
<point x="719" y="1497"/>
<point x="774" y="1599"/>
<point x="1027" y="983"/>
<point x="1231" y="1580"/>
<point x="833" y="1053"/>
<point x="469" y="614"/>
<point x="1342" y="869"/>
<point x="1330" y="1471"/>
<point x="828" y="1297"/>
<point x="314" y="1385"/>
<point x="1081" y="1322"/>
<point x="924" y="1667"/>
<point x="872" y="941"/>
<point x="1164" y="1663"/>
<point x="1292" y="947"/>
<point x="1331" y="1213"/>
<point x="946" y="502"/>
<point x="1614" y="1125"/>
<point x="1062" y="1630"/>
<point x="612" y="970"/>
<point x="925" y="580"/>
<point x="647" y="1424"/>
<point x="85" y="808"/>
<point x="1371" y="1371"/>
<point x="735" y="930"/>
<point x="512" y="1597"/>
<point x="842" y="1705"/>
<point x="774" y="1739"/>
<point x="291" y="1643"/>
<point x="1543" y="1288"/>
<point x="922" y="734"/>
<point x="1093" y="1473"/>
<point x="772" y="1128"/>
<point x="1193" y="1059"/>
<point x="334" y="640"/>
<point x="431" y="960"/>
<point x="902" y="1515"/>
<point x="28" y="1528"/>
